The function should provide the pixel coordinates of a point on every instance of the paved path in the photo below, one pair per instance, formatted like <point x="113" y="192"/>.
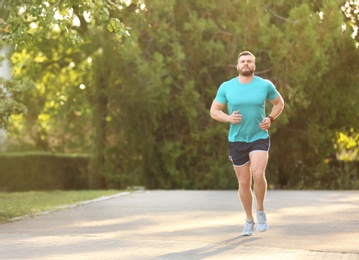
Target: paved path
<point x="190" y="225"/>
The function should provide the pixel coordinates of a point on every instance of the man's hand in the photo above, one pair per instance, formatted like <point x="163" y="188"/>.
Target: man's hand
<point x="235" y="118"/>
<point x="265" y="123"/>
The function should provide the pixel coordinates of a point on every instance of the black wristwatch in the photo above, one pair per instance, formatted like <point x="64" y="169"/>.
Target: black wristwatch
<point x="271" y="119"/>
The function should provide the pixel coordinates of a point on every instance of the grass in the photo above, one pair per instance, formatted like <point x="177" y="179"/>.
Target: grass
<point x="17" y="204"/>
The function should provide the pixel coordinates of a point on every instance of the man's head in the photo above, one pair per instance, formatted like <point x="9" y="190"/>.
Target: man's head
<point x="246" y="63"/>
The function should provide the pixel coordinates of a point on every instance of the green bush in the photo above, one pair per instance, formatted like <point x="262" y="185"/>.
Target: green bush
<point x="46" y="171"/>
<point x="342" y="175"/>
<point x="43" y="171"/>
<point x="333" y="175"/>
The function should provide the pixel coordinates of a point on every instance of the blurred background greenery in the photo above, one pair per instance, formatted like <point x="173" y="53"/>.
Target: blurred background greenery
<point x="108" y="94"/>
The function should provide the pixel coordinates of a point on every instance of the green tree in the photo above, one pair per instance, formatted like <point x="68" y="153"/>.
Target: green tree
<point x="314" y="68"/>
<point x="68" y="48"/>
<point x="300" y="46"/>
<point x="350" y="10"/>
<point x="11" y="89"/>
<point x="141" y="102"/>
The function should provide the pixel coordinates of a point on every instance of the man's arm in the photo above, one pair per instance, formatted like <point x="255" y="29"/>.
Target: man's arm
<point x="278" y="105"/>
<point x="217" y="114"/>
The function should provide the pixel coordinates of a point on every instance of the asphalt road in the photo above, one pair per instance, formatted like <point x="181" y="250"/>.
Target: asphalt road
<point x="190" y="225"/>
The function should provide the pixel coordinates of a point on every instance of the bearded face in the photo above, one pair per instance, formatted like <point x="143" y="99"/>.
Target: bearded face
<point x="246" y="71"/>
<point x="246" y="65"/>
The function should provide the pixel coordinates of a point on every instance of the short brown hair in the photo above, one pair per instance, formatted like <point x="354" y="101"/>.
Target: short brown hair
<point x="244" y="53"/>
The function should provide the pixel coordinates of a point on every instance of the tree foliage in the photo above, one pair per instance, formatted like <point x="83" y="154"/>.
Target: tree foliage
<point x="351" y="13"/>
<point x="10" y="90"/>
<point x="68" y="48"/>
<point x="133" y="84"/>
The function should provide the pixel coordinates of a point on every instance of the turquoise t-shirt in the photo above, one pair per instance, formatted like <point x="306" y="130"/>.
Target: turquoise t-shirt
<point x="250" y="100"/>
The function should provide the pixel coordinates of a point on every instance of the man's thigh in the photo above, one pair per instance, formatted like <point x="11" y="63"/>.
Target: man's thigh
<point x="258" y="161"/>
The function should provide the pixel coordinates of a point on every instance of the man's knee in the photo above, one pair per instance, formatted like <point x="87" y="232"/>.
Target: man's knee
<point x="244" y="185"/>
<point x="259" y="177"/>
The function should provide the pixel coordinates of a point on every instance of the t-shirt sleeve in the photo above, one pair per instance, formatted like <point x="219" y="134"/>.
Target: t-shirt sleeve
<point x="221" y="94"/>
<point x="272" y="92"/>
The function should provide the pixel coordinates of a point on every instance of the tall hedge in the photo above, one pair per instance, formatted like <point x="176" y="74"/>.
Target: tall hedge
<point x="42" y="171"/>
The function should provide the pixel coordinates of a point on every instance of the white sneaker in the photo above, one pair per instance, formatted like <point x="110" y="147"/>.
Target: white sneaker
<point x="248" y="228"/>
<point x="262" y="224"/>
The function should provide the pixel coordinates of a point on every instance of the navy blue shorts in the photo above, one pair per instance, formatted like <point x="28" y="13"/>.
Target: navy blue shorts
<point x="239" y="151"/>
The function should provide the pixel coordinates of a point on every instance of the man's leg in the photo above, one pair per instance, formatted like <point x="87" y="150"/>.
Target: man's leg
<point x="259" y="161"/>
<point x="244" y="188"/>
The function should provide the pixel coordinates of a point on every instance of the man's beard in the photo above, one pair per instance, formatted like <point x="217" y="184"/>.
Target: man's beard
<point x="246" y="73"/>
